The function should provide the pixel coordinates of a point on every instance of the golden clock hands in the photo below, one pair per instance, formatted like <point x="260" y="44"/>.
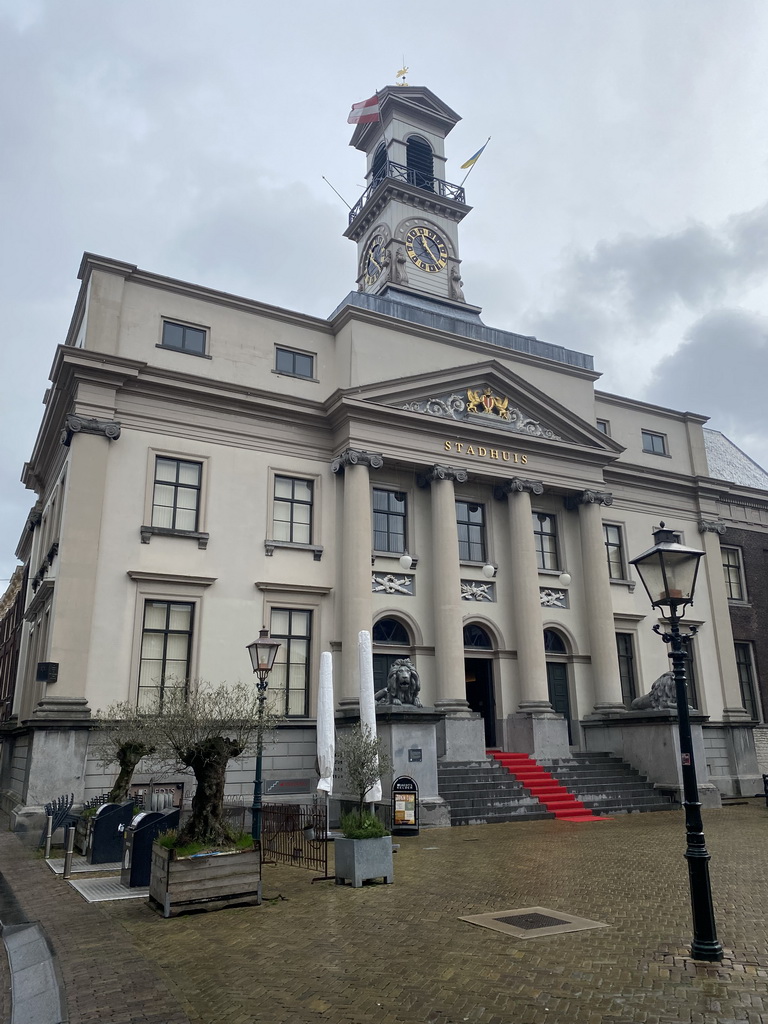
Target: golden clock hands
<point x="428" y="248"/>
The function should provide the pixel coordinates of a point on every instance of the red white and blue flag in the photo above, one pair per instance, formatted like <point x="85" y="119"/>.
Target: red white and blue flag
<point x="365" y="112"/>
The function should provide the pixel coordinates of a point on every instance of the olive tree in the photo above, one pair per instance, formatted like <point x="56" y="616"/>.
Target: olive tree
<point x="125" y="735"/>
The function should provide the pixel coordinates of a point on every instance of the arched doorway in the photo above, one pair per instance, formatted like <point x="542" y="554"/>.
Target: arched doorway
<point x="478" y="676"/>
<point x="391" y="640"/>
<point x="556" y="654"/>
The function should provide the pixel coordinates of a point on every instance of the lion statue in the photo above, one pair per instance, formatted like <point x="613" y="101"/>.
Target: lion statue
<point x="661" y="697"/>
<point x="403" y="685"/>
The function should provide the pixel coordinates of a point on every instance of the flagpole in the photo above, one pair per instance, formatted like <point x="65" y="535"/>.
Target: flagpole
<point x="473" y="165"/>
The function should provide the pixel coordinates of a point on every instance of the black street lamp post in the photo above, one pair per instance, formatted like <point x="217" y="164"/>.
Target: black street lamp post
<point x="668" y="572"/>
<point x="263" y="652"/>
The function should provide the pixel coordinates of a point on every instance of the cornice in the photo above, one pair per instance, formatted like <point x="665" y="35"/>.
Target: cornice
<point x="633" y="403"/>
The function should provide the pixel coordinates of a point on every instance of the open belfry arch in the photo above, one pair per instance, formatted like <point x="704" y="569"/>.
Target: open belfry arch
<point x="208" y="464"/>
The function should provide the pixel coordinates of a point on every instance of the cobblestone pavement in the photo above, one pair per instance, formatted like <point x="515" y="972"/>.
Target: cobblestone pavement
<point x="399" y="953"/>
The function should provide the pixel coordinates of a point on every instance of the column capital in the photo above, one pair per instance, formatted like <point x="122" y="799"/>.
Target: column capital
<point x="88" y="425"/>
<point x="712" y="526"/>
<point x="587" y="497"/>
<point x="517" y="484"/>
<point x="356" y="457"/>
<point x="443" y="473"/>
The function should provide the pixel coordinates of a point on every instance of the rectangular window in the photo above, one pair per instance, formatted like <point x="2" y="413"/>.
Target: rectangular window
<point x="627" y="675"/>
<point x="389" y="515"/>
<point x="297" y="364"/>
<point x="545" y="539"/>
<point x="176" y="494"/>
<point x="746" y="671"/>
<point x="614" y="550"/>
<point x="292" y="514"/>
<point x="604" y="427"/>
<point x="183" y="338"/>
<point x="654" y="444"/>
<point x="470" y="518"/>
<point x="166" y="643"/>
<point x="734" y="577"/>
<point x="290" y="676"/>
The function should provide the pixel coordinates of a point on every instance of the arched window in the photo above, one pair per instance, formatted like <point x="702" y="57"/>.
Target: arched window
<point x="554" y="643"/>
<point x="477" y="638"/>
<point x="393" y="636"/>
<point x="379" y="167"/>
<point x="421" y="165"/>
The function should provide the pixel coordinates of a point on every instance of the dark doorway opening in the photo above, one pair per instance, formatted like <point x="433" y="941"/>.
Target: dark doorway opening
<point x="557" y="681"/>
<point x="478" y="673"/>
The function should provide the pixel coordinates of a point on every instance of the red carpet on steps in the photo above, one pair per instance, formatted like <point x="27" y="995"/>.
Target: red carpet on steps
<point x="545" y="787"/>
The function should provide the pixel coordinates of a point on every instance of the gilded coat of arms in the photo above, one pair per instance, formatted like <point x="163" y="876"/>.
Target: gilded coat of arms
<point x="487" y="402"/>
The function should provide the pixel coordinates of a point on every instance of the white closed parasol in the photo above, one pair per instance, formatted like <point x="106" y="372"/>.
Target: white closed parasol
<point x="326" y="726"/>
<point x="368" y="702"/>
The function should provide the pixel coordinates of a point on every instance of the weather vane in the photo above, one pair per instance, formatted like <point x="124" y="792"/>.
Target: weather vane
<point x="401" y="74"/>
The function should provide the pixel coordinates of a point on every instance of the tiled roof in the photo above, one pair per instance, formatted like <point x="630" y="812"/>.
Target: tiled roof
<point x="727" y="462"/>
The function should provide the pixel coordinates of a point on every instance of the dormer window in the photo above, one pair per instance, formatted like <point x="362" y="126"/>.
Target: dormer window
<point x="420" y="162"/>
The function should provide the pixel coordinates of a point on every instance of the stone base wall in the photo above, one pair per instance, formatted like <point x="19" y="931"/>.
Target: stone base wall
<point x="761" y="747"/>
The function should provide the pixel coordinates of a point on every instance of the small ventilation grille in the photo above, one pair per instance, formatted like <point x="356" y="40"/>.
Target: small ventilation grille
<point x="529" y="921"/>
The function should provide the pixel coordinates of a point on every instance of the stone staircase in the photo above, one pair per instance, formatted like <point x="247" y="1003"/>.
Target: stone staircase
<point x="484" y="792"/>
<point x="607" y="785"/>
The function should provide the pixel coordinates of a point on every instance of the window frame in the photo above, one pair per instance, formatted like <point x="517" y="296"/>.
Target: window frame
<point x="628" y="661"/>
<point x="166" y="632"/>
<point x="467" y="544"/>
<point x="185" y="326"/>
<point x="177" y="486"/>
<point x="271" y="544"/>
<point x="293" y="353"/>
<point x="653" y="435"/>
<point x="604" y="426"/>
<point x="752" y="705"/>
<point x="293" y="501"/>
<point x="727" y="549"/>
<point x="621" y="546"/>
<point x="148" y="530"/>
<point x="284" y="655"/>
<point x="539" y="534"/>
<point x="389" y="514"/>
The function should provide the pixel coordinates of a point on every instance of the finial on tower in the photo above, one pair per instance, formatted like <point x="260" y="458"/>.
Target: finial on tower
<point x="401" y="74"/>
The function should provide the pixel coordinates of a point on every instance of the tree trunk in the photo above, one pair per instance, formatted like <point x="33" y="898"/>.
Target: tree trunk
<point x="128" y="756"/>
<point x="209" y="761"/>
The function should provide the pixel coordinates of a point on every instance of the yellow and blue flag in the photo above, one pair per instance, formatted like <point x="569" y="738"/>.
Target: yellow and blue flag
<point x="473" y="159"/>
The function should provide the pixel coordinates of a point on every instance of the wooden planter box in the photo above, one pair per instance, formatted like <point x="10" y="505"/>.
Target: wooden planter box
<point x="204" y="878"/>
<point x="362" y="859"/>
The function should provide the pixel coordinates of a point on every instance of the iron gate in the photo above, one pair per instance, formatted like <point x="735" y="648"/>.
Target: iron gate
<point x="296" y="834"/>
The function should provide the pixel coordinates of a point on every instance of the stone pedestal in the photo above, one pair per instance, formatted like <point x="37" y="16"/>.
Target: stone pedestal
<point x="409" y="736"/>
<point x="650" y="742"/>
<point x="542" y="734"/>
<point x="461" y="737"/>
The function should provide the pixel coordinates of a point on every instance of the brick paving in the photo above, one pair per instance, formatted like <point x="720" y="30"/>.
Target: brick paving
<point x="399" y="955"/>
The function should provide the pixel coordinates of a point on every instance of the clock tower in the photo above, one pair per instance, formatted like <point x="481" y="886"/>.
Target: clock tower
<point x="406" y="222"/>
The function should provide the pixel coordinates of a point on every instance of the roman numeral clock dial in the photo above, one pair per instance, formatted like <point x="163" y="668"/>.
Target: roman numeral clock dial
<point x="426" y="249"/>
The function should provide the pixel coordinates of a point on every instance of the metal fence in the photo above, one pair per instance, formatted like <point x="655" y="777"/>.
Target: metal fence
<point x="296" y="834"/>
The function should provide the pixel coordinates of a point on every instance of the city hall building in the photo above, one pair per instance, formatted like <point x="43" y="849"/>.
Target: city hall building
<point x="208" y="464"/>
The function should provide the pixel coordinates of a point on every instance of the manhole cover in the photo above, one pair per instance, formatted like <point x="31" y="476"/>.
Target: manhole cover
<point x="529" y="921"/>
<point x="532" y="922"/>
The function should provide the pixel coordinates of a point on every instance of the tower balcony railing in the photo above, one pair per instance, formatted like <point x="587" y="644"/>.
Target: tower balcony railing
<point x="398" y="172"/>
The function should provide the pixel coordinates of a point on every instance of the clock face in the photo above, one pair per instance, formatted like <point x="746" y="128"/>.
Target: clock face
<point x="426" y="249"/>
<point x="373" y="261"/>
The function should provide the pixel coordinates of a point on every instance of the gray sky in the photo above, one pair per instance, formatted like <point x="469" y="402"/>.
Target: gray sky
<point x="621" y="207"/>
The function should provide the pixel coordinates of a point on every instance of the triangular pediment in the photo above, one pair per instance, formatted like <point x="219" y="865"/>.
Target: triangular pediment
<point x="491" y="396"/>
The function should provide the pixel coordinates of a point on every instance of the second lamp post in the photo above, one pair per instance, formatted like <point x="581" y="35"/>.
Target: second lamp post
<point x="263" y="652"/>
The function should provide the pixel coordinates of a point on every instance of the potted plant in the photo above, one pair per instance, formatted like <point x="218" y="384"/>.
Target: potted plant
<point x="365" y="851"/>
<point x="200" y="732"/>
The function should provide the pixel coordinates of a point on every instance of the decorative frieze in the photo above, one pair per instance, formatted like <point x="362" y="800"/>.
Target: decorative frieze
<point x="551" y="597"/>
<point x="518" y="484"/>
<point x="355" y="457"/>
<point x="443" y="473"/>
<point x="472" y="590"/>
<point x="389" y="583"/>
<point x="588" y="497"/>
<point x="478" y="404"/>
<point x="88" y="425"/>
<point x="712" y="526"/>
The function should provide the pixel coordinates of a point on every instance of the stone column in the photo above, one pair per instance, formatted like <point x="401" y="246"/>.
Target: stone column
<point x="446" y="590"/>
<point x="356" y="612"/>
<point x="598" y="603"/>
<point x="526" y="601"/>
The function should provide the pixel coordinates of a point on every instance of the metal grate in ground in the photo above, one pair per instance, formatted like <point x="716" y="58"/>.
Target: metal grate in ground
<point x="81" y="866"/>
<point x="532" y="922"/>
<point x="99" y="890"/>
